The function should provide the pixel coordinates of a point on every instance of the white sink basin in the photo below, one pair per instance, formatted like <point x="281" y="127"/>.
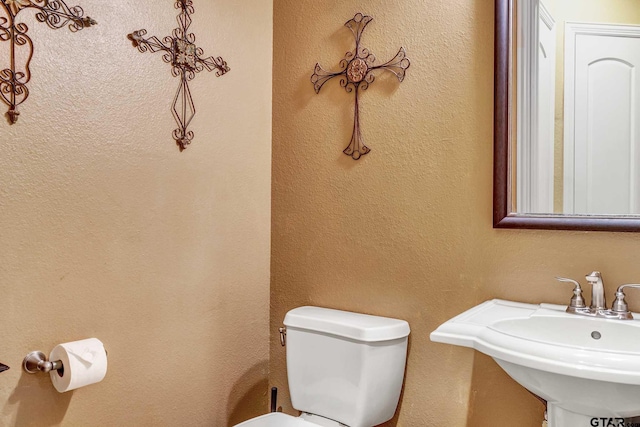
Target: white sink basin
<point x="573" y="331"/>
<point x="584" y="367"/>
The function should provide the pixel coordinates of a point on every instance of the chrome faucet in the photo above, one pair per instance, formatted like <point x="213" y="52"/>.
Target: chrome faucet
<point x="598" y="308"/>
<point x="598" y="300"/>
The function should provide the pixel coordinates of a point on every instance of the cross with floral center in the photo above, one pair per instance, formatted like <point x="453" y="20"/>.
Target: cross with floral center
<point x="357" y="73"/>
<point x="14" y="78"/>
<point x="184" y="56"/>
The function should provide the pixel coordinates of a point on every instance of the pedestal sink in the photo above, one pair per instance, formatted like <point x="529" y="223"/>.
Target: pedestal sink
<point x="583" y="367"/>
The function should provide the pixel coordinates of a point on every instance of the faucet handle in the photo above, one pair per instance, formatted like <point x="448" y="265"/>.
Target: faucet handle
<point x="577" y="301"/>
<point x="620" y="305"/>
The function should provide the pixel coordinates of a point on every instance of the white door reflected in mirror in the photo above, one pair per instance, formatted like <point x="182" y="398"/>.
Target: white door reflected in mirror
<point x="578" y="107"/>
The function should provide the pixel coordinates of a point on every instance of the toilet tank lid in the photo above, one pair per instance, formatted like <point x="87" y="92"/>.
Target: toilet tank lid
<point x="360" y="327"/>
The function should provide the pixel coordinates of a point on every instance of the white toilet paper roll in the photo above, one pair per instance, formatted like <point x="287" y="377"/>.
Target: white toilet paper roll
<point x="84" y="362"/>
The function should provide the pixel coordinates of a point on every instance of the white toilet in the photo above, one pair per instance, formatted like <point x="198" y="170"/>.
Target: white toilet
<point x="344" y="369"/>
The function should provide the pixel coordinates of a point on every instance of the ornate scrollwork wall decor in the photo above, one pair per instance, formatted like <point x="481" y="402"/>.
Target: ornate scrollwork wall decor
<point x="185" y="58"/>
<point x="356" y="71"/>
<point x="56" y="14"/>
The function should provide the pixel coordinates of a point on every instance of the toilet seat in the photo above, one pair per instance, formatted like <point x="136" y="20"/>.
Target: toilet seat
<point x="276" y="419"/>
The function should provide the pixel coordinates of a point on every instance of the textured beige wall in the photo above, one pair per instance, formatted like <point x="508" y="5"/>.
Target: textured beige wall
<point x="107" y="230"/>
<point x="406" y="231"/>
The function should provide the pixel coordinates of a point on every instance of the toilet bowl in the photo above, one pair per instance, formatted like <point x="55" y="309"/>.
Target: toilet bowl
<point x="343" y="369"/>
<point x="278" y="419"/>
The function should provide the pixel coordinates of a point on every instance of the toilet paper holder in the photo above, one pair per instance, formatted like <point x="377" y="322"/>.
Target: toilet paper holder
<point x="36" y="361"/>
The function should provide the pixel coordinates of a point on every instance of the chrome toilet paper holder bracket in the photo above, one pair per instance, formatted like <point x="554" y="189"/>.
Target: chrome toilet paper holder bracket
<point x="36" y="361"/>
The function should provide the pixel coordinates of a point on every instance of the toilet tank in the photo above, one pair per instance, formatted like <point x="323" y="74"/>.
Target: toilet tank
<point x="345" y="366"/>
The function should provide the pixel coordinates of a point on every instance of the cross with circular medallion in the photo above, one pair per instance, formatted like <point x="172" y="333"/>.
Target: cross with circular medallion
<point x="356" y="71"/>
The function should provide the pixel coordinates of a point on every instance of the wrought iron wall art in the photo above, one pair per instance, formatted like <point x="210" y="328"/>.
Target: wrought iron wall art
<point x="56" y="14"/>
<point x="185" y="58"/>
<point x="356" y="71"/>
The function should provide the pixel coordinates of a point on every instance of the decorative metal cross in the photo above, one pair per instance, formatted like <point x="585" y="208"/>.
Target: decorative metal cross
<point x="181" y="52"/>
<point x="357" y="73"/>
<point x="56" y="14"/>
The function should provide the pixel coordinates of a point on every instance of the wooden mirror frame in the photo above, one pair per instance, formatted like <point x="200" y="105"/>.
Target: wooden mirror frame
<point x="503" y="216"/>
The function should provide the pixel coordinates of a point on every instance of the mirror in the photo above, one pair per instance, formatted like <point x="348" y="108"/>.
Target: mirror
<point x="567" y="115"/>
